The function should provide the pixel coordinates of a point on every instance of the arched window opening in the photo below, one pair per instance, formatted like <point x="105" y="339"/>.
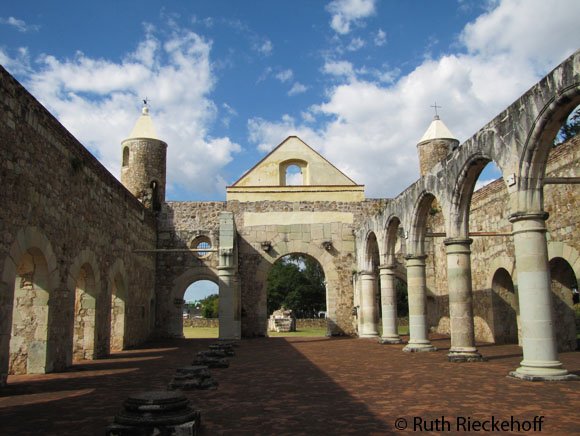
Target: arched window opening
<point x="296" y="290"/>
<point x="155" y="200"/>
<point x="294" y="176"/>
<point x="201" y="310"/>
<point x="570" y="128"/>
<point x="564" y="287"/>
<point x="126" y="156"/>
<point x="504" y="306"/>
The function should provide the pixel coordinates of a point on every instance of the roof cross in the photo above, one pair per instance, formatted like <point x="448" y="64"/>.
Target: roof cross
<point x="436" y="107"/>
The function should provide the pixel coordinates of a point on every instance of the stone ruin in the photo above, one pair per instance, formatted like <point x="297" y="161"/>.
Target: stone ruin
<point x="282" y="320"/>
<point x="156" y="413"/>
<point x="193" y="377"/>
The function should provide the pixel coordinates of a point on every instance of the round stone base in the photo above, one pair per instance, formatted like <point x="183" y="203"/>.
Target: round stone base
<point x="418" y="348"/>
<point x="385" y="341"/>
<point x="368" y="335"/>
<point x="527" y="376"/>
<point x="465" y="357"/>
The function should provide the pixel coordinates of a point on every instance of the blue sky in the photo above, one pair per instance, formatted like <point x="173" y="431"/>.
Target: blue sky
<point x="229" y="80"/>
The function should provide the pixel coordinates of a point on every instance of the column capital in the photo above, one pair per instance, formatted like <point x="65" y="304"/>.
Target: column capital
<point x="521" y="216"/>
<point x="458" y="241"/>
<point x="367" y="273"/>
<point x="415" y="257"/>
<point x="387" y="267"/>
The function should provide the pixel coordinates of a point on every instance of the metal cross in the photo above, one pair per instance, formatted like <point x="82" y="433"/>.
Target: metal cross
<point x="435" y="107"/>
<point x="146" y="101"/>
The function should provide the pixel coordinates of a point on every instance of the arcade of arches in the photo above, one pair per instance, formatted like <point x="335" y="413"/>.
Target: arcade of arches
<point x="107" y="267"/>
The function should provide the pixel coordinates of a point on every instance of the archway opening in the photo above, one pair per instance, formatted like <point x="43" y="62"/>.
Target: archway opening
<point x="294" y="176"/>
<point x="566" y="312"/>
<point x="118" y="314"/>
<point x="296" y="297"/>
<point x="402" y="295"/>
<point x="504" y="306"/>
<point x="30" y="316"/>
<point x="201" y="310"/>
<point x="84" y="317"/>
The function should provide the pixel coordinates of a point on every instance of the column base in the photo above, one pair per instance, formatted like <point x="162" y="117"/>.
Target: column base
<point x="465" y="356"/>
<point x="415" y="347"/>
<point x="368" y="335"/>
<point x="390" y="340"/>
<point x="537" y="373"/>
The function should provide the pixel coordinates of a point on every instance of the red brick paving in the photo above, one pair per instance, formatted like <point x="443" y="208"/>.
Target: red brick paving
<point x="309" y="386"/>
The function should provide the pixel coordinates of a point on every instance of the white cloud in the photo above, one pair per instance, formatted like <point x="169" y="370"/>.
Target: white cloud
<point x="380" y="38"/>
<point x="97" y="100"/>
<point x="285" y="75"/>
<point x="265" y="47"/>
<point x="355" y="44"/>
<point x="373" y="128"/>
<point x="347" y="12"/>
<point x="338" y="68"/>
<point x="297" y="88"/>
<point x="481" y="183"/>
<point x="20" y="25"/>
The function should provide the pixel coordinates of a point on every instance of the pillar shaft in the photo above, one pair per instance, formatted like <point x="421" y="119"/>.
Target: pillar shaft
<point x="534" y="292"/>
<point x="416" y="286"/>
<point x="389" y="305"/>
<point x="368" y="305"/>
<point x="460" y="300"/>
<point x="229" y="321"/>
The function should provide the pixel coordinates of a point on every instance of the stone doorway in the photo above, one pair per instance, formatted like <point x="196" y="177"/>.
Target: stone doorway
<point x="30" y="316"/>
<point x="118" y="314"/>
<point x="85" y="310"/>
<point x="296" y="282"/>
<point x="564" y="287"/>
<point x="201" y="310"/>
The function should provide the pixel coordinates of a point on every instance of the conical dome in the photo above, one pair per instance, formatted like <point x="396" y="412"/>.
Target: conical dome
<point x="144" y="126"/>
<point x="437" y="130"/>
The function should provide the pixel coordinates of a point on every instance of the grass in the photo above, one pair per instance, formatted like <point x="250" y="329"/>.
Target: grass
<point x="212" y="332"/>
<point x="200" y="332"/>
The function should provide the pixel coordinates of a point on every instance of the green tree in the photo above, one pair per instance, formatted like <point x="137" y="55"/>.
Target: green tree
<point x="297" y="283"/>
<point x="570" y="129"/>
<point x="210" y="306"/>
<point x="402" y="298"/>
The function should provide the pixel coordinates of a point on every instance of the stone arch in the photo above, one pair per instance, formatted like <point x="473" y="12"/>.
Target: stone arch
<point x="537" y="146"/>
<point x="418" y="222"/>
<point x="180" y="285"/>
<point x="323" y="257"/>
<point x="84" y="284"/>
<point x="119" y="293"/>
<point x="458" y="223"/>
<point x="372" y="255"/>
<point x="29" y="276"/>
<point x="392" y="237"/>
<point x="302" y="164"/>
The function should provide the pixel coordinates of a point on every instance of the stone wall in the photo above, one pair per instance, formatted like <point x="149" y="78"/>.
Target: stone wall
<point x="495" y="304"/>
<point x="181" y="225"/>
<point x="299" y="227"/>
<point x="68" y="231"/>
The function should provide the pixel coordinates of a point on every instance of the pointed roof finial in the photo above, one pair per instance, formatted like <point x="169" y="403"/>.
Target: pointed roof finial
<point x="145" y="110"/>
<point x="436" y="117"/>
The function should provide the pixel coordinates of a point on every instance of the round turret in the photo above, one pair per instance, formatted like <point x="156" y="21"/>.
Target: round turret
<point x="143" y="170"/>
<point x="435" y="145"/>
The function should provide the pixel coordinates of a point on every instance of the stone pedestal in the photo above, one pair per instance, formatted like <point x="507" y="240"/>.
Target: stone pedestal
<point x="368" y="305"/>
<point x="460" y="301"/>
<point x="193" y="377"/>
<point x="535" y="300"/>
<point x="211" y="361"/>
<point x="156" y="413"/>
<point x="389" y="306"/>
<point x="227" y="349"/>
<point x="416" y="288"/>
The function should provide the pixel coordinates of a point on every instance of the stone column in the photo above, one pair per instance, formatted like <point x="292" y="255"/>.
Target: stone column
<point x="368" y="309"/>
<point x="460" y="301"/>
<point x="534" y="293"/>
<point x="416" y="286"/>
<point x="389" y="305"/>
<point x="230" y="327"/>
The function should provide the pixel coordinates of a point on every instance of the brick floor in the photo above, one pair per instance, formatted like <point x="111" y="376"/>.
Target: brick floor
<point x="310" y="386"/>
